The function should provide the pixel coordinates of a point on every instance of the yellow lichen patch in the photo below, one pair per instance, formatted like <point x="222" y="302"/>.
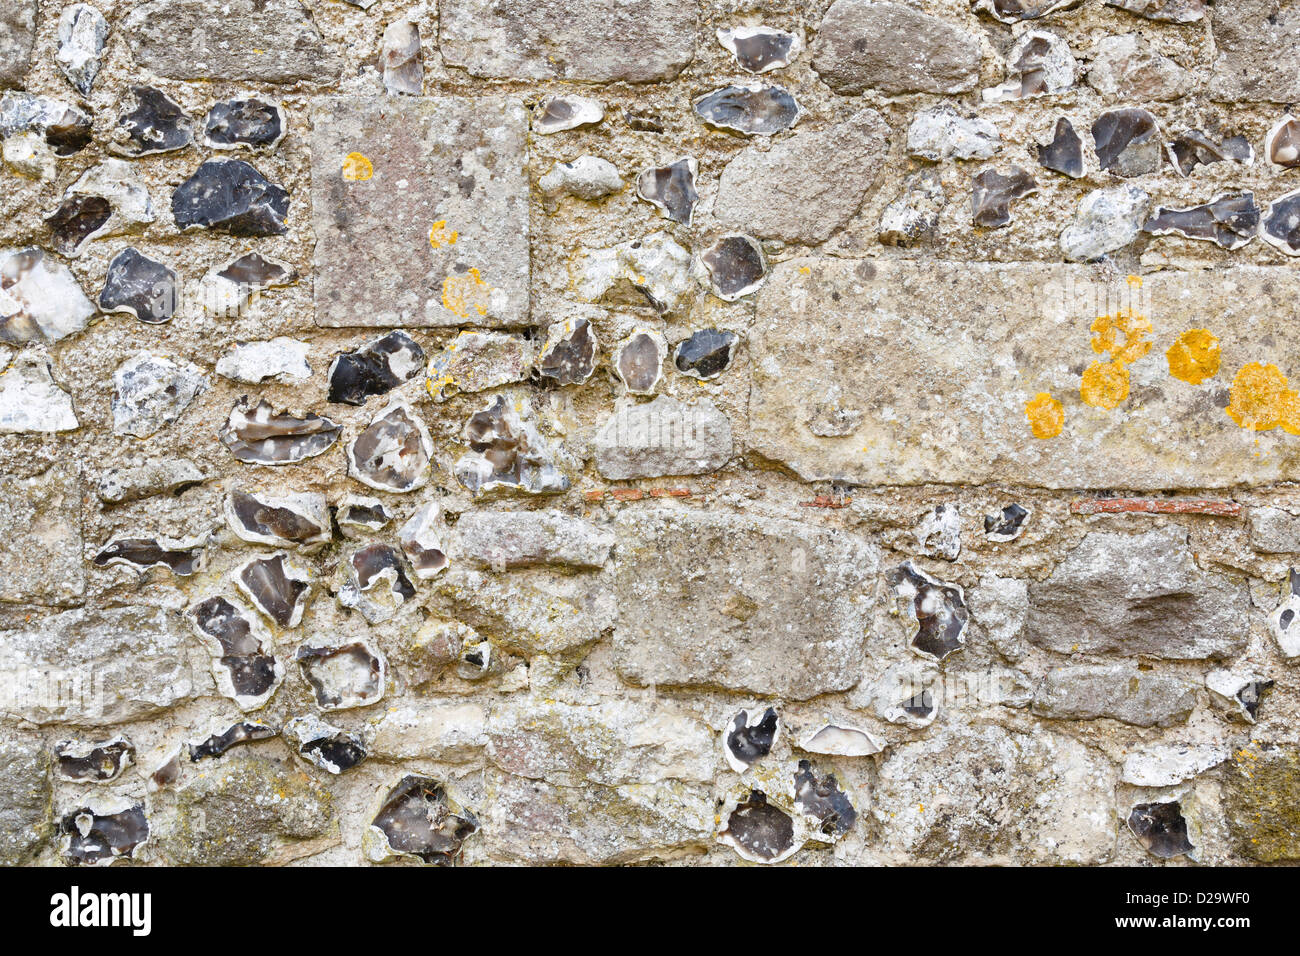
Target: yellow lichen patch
<point x="1262" y="399"/>
<point x="1194" y="358"/>
<point x="466" y="293"/>
<point x="357" y="168"/>
<point x="1126" y="322"/>
<point x="1046" y="415"/>
<point x="1104" y="385"/>
<point x="1134" y="282"/>
<point x="440" y="235"/>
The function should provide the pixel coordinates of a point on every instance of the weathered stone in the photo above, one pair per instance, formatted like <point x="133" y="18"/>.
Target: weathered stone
<point x="1173" y="11"/>
<point x="447" y="732"/>
<point x="83" y="31"/>
<point x="1273" y="530"/>
<point x="993" y="192"/>
<point x="421" y="540"/>
<point x="477" y="361"/>
<point x="1064" y="153"/>
<point x="99" y="667"/>
<point x="155" y="124"/>
<point x="1107" y="220"/>
<point x="759" y="49"/>
<point x="988" y="795"/>
<point x="1256" y="42"/>
<point x="586" y="40"/>
<point x="671" y="188"/>
<point x="1192" y="148"/>
<point x="40" y="523"/>
<point x="914" y="216"/>
<point x="805" y="187"/>
<point x="1000" y="606"/>
<point x="1230" y="221"/>
<point x="26" y="822"/>
<point x="229" y="195"/>
<point x="40" y="300"/>
<point x="655" y="270"/>
<point x="420" y="209"/>
<point x="534" y="822"/>
<point x="663" y="437"/>
<point x="795" y="629"/>
<point x="1118" y="691"/>
<point x="1127" y="67"/>
<point x="280" y="359"/>
<point x="323" y="745"/>
<point x="150" y="392"/>
<point x="507" y="453"/>
<point x="120" y="485"/>
<point x="248" y="122"/>
<point x="244" y="811"/>
<point x="754" y="109"/>
<point x="30" y="400"/>
<point x="66" y="128"/>
<point x="139" y="286"/>
<point x="863" y="45"/>
<point x="17" y="35"/>
<point x="511" y="539"/>
<point x="1138" y="595"/>
<point x="558" y="114"/>
<point x="587" y="177"/>
<point x="260" y="41"/>
<point x="1260" y="799"/>
<point x="1163" y="765"/>
<point x="613" y="743"/>
<point x="399" y="58"/>
<point x="943" y="133"/>
<point x="1039" y="63"/>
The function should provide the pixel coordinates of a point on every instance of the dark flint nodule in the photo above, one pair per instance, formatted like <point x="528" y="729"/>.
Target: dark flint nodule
<point x="76" y="220"/>
<point x="145" y="553"/>
<point x="750" y="743"/>
<point x="1064" y="154"/>
<point x="761" y="49"/>
<point x="993" y="192"/>
<point x="938" y="610"/>
<point x="330" y="748"/>
<point x="257" y="271"/>
<point x="322" y="666"/>
<point x="244" y="732"/>
<point x="261" y="435"/>
<point x="273" y="521"/>
<point x="156" y="124"/>
<point x="822" y="799"/>
<point x="1229" y="221"/>
<point x="94" y="837"/>
<point x="140" y="286"/>
<point x="1194" y="148"/>
<point x="639" y="364"/>
<point x="1127" y="141"/>
<point x="735" y="266"/>
<point x="763" y="830"/>
<point x="643" y="122"/>
<point x="229" y="195"/>
<point x="372" y="517"/>
<point x="249" y="122"/>
<point x="922" y="705"/>
<point x="1008" y="525"/>
<point x="671" y="188"/>
<point x="252" y="671"/>
<point x="756" y="110"/>
<point x="417" y="818"/>
<point x="570" y="358"/>
<point x="276" y="590"/>
<point x="1252" y="694"/>
<point x="376" y="563"/>
<point x="706" y="354"/>
<point x="1281" y="224"/>
<point x="98" y="763"/>
<point x="561" y="113"/>
<point x="392" y="454"/>
<point x="1161" y="829"/>
<point x="375" y="368"/>
<point x="66" y="128"/>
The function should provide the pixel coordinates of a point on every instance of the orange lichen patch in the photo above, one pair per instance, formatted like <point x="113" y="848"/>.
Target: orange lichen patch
<point x="1194" y="358"/>
<point x="826" y="501"/>
<point x="1104" y="384"/>
<point x="440" y="235"/>
<point x="462" y="294"/>
<point x="1262" y="399"/>
<point x="1154" y="506"/>
<point x="357" y="168"/>
<point x="1126" y="322"/>
<point x="1046" y="415"/>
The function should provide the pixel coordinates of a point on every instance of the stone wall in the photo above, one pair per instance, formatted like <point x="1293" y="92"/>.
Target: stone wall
<point x="605" y="431"/>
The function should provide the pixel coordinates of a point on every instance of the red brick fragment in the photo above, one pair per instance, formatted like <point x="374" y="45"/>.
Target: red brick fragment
<point x="627" y="494"/>
<point x="826" y="501"/>
<point x="1154" y="506"/>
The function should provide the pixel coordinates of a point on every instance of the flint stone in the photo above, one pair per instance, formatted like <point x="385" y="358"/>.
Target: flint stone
<point x="663" y="437"/>
<point x="988" y="795"/>
<point x="1107" y="219"/>
<point x="805" y="187"/>
<point x="762" y="605"/>
<point x="40" y="524"/>
<point x="1258" y="45"/>
<point x="612" y="743"/>
<point x="1118" y="691"/>
<point x="888" y="47"/>
<point x="17" y="34"/>
<point x="943" y="133"/>
<point x="1274" y="531"/>
<point x="438" y="234"/>
<point x="26" y="820"/>
<point x="601" y="41"/>
<point x="260" y="41"/>
<point x="587" y="177"/>
<point x="101" y="667"/>
<point x="31" y="401"/>
<point x="512" y="539"/>
<point x="1139" y="595"/>
<point x="945" y="403"/>
<point x="533" y="822"/>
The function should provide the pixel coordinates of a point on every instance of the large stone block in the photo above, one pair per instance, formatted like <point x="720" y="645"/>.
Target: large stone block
<point x="1139" y="595"/>
<point x="1258" y="45"/>
<point x="921" y="372"/>
<point x="17" y="34"/>
<point x="1118" y="691"/>
<point x="420" y="208"/>
<point x="636" y="41"/>
<point x="40" y="524"/>
<point x="262" y="41"/>
<point x="763" y="605"/>
<point x="97" y="667"/>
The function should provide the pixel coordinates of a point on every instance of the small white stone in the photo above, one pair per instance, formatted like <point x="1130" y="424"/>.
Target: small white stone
<point x="943" y="133"/>
<point x="30" y="399"/>
<point x="83" y="32"/>
<point x="587" y="177"/>
<point x="1163" y="765"/>
<point x="39" y="298"/>
<point x="29" y="155"/>
<point x="280" y="359"/>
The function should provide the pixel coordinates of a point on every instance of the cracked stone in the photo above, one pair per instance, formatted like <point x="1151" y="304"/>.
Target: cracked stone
<point x="1163" y="765"/>
<point x="753" y="109"/>
<point x="821" y="800"/>
<point x="359" y="516"/>
<point x="344" y="676"/>
<point x="943" y="133"/>
<point x="1039" y="63"/>
<point x="1171" y="11"/>
<point x="749" y="737"/>
<point x="654" y="269"/>
<point x="150" y="392"/>
<point x="295" y="520"/>
<point x="504" y="540"/>
<point x="760" y="49"/>
<point x="507" y="452"/>
<point x="705" y="354"/>
<point x="243" y="732"/>
<point x="155" y="124"/>
<point x="252" y="122"/>
<point x="936" y="611"/>
<point x="375" y="583"/>
<point x="229" y="195"/>
<point x="1118" y="691"/>
<point x="838" y="741"/>
<point x="477" y="361"/>
<point x="914" y="216"/>
<point x="568" y="355"/>
<point x="258" y="434"/>
<point x="139" y="286"/>
<point x="1193" y="148"/>
<point x="663" y="437"/>
<point x="399" y="58"/>
<point x="418" y="818"/>
<point x="1161" y="829"/>
<point x="83" y="31"/>
<point x="939" y="532"/>
<point x="759" y="831"/>
<point x="993" y="193"/>
<point x="1008" y="525"/>
<point x="1230" y="221"/>
<point x="66" y="128"/>
<point x="1064" y="154"/>
<point x="394" y="451"/>
<point x="102" y="832"/>
<point x="99" y="761"/>
<point x="181" y="557"/>
<point x="1283" y="620"/>
<point x="1107" y="220"/>
<point x="1128" y="142"/>
<point x="239" y="646"/>
<point x="108" y="199"/>
<point x="671" y="188"/>
<point x="420" y="537"/>
<point x="323" y="745"/>
<point x="1280" y="226"/>
<point x="277" y="586"/>
<point x="376" y="368"/>
<point x="1242" y="693"/>
<point x="1017" y="11"/>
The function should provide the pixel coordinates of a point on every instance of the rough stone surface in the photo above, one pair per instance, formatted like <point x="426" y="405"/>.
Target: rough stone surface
<point x="17" y="34"/>
<point x="25" y="798"/>
<point x="514" y="539"/>
<point x="1261" y="797"/>
<point x="663" y="437"/>
<point x="1256" y="43"/>
<point x="41" y="515"/>
<point x="1118" y="691"/>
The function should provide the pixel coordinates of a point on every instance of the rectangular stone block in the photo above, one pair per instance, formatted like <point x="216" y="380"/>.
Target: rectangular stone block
<point x="420" y="208"/>
<point x="40" y="525"/>
<point x="636" y="41"/>
<point x="920" y="372"/>
<point x="763" y="605"/>
<point x="17" y="34"/>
